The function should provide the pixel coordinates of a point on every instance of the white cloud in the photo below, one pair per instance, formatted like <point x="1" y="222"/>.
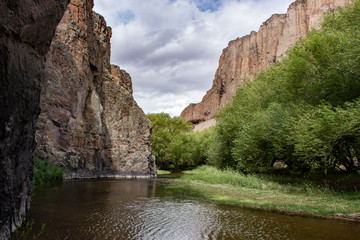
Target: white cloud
<point x="171" y="48"/>
<point x="167" y="102"/>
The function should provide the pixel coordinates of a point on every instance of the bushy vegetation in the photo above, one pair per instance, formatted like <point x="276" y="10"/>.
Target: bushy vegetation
<point x="303" y="111"/>
<point x="45" y="172"/>
<point x="174" y="144"/>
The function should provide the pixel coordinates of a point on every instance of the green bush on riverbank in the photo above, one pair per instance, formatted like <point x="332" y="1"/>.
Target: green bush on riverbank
<point x="45" y="172"/>
<point x="267" y="192"/>
<point x="174" y="144"/>
<point x="304" y="111"/>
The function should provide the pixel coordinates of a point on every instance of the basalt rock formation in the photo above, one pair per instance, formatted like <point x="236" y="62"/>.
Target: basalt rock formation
<point x="90" y="123"/>
<point x="247" y="55"/>
<point x="26" y="30"/>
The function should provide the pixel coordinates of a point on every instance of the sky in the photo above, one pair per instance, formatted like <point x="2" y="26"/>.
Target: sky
<point x="171" y="48"/>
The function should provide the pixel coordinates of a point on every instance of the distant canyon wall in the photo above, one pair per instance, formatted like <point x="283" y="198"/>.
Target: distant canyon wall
<point x="247" y="55"/>
<point x="89" y="122"/>
<point x="26" y="30"/>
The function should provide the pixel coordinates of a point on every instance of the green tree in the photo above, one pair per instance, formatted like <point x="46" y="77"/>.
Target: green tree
<point x="329" y="137"/>
<point x="174" y="144"/>
<point x="273" y="118"/>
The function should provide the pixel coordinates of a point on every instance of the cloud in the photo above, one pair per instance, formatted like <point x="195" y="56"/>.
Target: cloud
<point x="171" y="48"/>
<point x="169" y="102"/>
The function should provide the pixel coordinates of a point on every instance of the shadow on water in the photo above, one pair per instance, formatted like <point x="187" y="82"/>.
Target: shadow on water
<point x="140" y="209"/>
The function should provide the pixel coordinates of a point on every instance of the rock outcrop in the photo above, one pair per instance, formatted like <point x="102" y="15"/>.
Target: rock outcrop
<point x="247" y="55"/>
<point x="26" y="30"/>
<point x="89" y="122"/>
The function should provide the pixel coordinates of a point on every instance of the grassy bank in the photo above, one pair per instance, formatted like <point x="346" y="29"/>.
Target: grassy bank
<point x="268" y="193"/>
<point x="163" y="172"/>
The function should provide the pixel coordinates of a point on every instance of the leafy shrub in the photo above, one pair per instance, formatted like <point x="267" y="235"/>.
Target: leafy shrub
<point x="329" y="137"/>
<point x="174" y="144"/>
<point x="45" y="172"/>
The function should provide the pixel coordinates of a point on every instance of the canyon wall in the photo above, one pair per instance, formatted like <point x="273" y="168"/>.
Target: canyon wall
<point x="89" y="122"/>
<point x="26" y="30"/>
<point x="247" y="55"/>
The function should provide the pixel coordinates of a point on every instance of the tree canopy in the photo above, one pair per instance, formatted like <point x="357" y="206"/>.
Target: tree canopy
<point x="304" y="111"/>
<point x="174" y="144"/>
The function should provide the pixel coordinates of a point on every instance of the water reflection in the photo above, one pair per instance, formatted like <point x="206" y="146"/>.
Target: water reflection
<point x="140" y="209"/>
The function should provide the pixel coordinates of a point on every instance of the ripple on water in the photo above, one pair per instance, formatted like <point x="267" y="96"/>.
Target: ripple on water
<point x="169" y="218"/>
<point x="131" y="209"/>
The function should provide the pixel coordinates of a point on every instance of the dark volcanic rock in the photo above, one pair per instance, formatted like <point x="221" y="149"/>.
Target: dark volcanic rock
<point x="26" y="30"/>
<point x="89" y="121"/>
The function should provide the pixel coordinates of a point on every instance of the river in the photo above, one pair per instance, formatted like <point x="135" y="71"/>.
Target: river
<point x="142" y="209"/>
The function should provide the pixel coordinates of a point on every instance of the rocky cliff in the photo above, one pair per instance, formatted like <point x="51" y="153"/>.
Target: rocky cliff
<point x="89" y="122"/>
<point x="247" y="55"/>
<point x="26" y="30"/>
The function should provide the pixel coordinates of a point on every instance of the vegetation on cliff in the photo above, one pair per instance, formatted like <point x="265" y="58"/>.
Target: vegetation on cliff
<point x="45" y="172"/>
<point x="304" y="111"/>
<point x="174" y="145"/>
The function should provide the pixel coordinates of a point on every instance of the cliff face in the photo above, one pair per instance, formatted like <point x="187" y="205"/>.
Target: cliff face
<point x="26" y="30"/>
<point x="247" y="55"/>
<point x="89" y="122"/>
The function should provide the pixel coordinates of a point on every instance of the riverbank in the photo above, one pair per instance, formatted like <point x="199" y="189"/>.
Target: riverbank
<point x="269" y="193"/>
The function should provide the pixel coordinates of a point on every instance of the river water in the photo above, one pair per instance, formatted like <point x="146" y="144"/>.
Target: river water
<point x="142" y="209"/>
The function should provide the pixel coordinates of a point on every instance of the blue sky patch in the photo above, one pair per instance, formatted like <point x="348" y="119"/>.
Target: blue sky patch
<point x="124" y="17"/>
<point x="208" y="5"/>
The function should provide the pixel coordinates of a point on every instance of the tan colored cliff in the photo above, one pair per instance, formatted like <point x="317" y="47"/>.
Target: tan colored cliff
<point x="257" y="51"/>
<point x="90" y="123"/>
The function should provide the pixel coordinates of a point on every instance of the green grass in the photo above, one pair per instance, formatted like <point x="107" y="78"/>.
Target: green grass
<point x="163" y="172"/>
<point x="45" y="172"/>
<point x="266" y="192"/>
